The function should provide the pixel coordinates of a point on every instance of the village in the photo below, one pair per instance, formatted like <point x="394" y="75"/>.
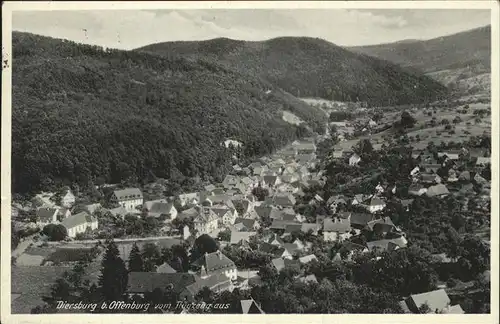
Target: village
<point x="251" y="218"/>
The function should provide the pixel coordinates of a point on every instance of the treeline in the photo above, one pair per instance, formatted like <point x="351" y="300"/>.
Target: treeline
<point x="81" y="112"/>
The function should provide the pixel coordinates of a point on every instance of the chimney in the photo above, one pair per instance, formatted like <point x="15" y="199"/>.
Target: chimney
<point x="219" y="254"/>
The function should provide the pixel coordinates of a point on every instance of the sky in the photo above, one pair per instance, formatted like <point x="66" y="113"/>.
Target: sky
<point x="129" y="29"/>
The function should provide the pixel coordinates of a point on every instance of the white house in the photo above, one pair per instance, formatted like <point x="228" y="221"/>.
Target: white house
<point x="337" y="229"/>
<point x="67" y="199"/>
<point x="374" y="204"/>
<point x="354" y="159"/>
<point x="414" y="172"/>
<point x="215" y="263"/>
<point x="206" y="221"/>
<point x="79" y="223"/>
<point x="189" y="199"/>
<point x="129" y="198"/>
<point x="159" y="208"/>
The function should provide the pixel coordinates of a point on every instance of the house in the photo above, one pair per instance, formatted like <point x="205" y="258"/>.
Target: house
<point x="219" y="200"/>
<point x="215" y="263"/>
<point x="276" y="251"/>
<point x="230" y="181"/>
<point x="480" y="180"/>
<point x="379" y="189"/>
<point x="360" y="220"/>
<point x="308" y="279"/>
<point x="415" y="171"/>
<point x="307" y="258"/>
<point x="465" y="176"/>
<point x="165" y="268"/>
<point x="348" y="250"/>
<point x="336" y="229"/>
<point x="274" y="239"/>
<point x="270" y="181"/>
<point x="291" y="248"/>
<point x="79" y="223"/>
<point x="226" y="215"/>
<point x="67" y="198"/>
<point x="449" y="156"/>
<point x="337" y="155"/>
<point x="209" y="188"/>
<point x="452" y="176"/>
<point x="360" y="198"/>
<point x="279" y="224"/>
<point x="439" y="190"/>
<point x="192" y="198"/>
<point x="284" y="200"/>
<point x="354" y="159"/>
<point x="305" y="148"/>
<point x="416" y="190"/>
<point x="92" y="208"/>
<point x="430" y="167"/>
<point x="239" y="237"/>
<point x="217" y="283"/>
<point x="206" y="221"/>
<point x="129" y="198"/>
<point x="387" y="244"/>
<point x="46" y="215"/>
<point x="120" y="212"/>
<point x="430" y="178"/>
<point x="313" y="227"/>
<point x="63" y="213"/>
<point x="292" y="228"/>
<point x="159" y="209"/>
<point x="281" y="263"/>
<point x="436" y="301"/>
<point x="249" y="306"/>
<point x="249" y="224"/>
<point x="141" y="283"/>
<point x="406" y="203"/>
<point x="374" y="204"/>
<point x="287" y="188"/>
<point x="483" y="161"/>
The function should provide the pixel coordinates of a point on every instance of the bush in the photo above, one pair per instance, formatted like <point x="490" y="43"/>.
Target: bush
<point x="55" y="232"/>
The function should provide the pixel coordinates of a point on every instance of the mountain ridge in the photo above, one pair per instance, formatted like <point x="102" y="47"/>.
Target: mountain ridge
<point x="81" y="112"/>
<point x="312" y="67"/>
<point x="472" y="45"/>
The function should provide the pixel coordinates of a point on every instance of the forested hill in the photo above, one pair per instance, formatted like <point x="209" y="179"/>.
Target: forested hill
<point x="459" y="50"/>
<point x="311" y="67"/>
<point x="81" y="112"/>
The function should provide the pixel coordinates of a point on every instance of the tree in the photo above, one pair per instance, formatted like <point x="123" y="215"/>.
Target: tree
<point x="457" y="120"/>
<point x="135" y="263"/>
<point x="203" y="244"/>
<point x="151" y="257"/>
<point x="364" y="147"/>
<point x="114" y="277"/>
<point x="407" y="120"/>
<point x="225" y="235"/>
<point x="260" y="193"/>
<point x="55" y="232"/>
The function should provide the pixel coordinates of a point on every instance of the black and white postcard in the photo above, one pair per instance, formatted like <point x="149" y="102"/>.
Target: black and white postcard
<point x="171" y="160"/>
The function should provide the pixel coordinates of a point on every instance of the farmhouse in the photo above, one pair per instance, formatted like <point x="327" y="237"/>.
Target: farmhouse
<point x="129" y="198"/>
<point x="215" y="263"/>
<point x="79" y="223"/>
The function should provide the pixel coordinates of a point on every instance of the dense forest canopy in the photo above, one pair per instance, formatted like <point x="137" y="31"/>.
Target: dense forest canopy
<point x="312" y="67"/>
<point x="81" y="112"/>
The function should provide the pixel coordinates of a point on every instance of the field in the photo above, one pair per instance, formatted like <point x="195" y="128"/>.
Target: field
<point x="423" y="133"/>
